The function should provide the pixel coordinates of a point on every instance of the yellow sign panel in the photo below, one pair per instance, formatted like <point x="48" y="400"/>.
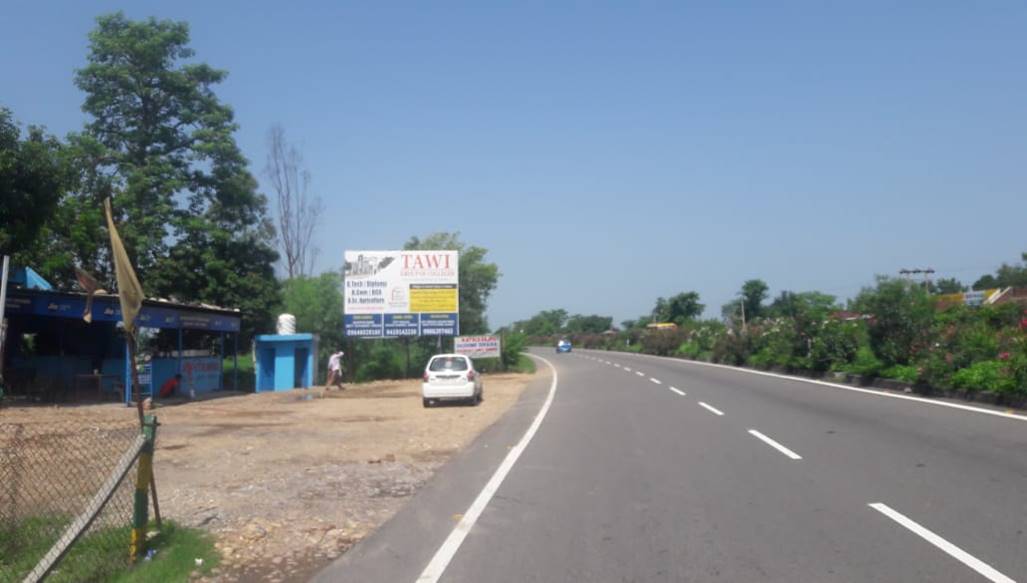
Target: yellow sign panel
<point x="433" y="299"/>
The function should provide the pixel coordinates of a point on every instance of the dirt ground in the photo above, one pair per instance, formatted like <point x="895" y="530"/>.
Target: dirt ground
<point x="289" y="481"/>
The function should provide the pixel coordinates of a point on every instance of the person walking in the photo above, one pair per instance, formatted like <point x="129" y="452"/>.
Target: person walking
<point x="335" y="369"/>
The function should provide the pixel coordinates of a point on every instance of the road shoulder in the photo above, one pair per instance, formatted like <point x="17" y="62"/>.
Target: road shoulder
<point x="400" y="549"/>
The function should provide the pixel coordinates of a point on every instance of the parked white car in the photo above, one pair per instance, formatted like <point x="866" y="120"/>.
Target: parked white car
<point x="450" y="377"/>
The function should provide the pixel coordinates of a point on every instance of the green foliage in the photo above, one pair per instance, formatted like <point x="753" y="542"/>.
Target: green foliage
<point x="679" y="309"/>
<point x="949" y="285"/>
<point x="865" y="363"/>
<point x="161" y="145"/>
<point x="900" y="372"/>
<point x="1006" y="276"/>
<point x="986" y="375"/>
<point x="592" y="324"/>
<point x="102" y="554"/>
<point x="661" y="342"/>
<point x="511" y="347"/>
<point x="901" y="313"/>
<point x="835" y="344"/>
<point x="33" y="177"/>
<point x="478" y="279"/>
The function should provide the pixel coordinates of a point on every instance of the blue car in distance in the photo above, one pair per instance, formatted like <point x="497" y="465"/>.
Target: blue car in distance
<point x="563" y="346"/>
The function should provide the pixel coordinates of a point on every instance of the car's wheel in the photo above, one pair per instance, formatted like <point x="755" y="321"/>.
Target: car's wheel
<point x="426" y="402"/>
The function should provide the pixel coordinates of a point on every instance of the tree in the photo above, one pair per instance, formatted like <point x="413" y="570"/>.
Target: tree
<point x="161" y="143"/>
<point x="901" y="316"/>
<point x="593" y="324"/>
<point x="544" y="323"/>
<point x="317" y="304"/>
<point x="32" y="180"/>
<point x="299" y="212"/>
<point x="478" y="278"/>
<point x="1005" y="276"/>
<point x="948" y="285"/>
<point x="678" y="309"/>
<point x="749" y="305"/>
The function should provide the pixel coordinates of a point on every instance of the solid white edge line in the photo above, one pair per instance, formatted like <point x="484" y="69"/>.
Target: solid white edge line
<point x="775" y="445"/>
<point x="678" y="391"/>
<point x="437" y="566"/>
<point x="957" y="553"/>
<point x="657" y="381"/>
<point x="713" y="410"/>
<point x="877" y="393"/>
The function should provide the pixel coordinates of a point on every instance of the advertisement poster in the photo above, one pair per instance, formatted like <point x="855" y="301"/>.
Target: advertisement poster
<point x="477" y="346"/>
<point x="401" y="293"/>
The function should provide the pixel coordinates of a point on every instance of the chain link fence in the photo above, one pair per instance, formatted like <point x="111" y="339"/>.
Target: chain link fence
<point x="49" y="473"/>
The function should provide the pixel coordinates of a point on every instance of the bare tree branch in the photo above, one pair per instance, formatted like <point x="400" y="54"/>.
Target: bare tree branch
<point x="299" y="212"/>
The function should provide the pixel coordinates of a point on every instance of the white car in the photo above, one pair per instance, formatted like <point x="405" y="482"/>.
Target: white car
<point x="450" y="377"/>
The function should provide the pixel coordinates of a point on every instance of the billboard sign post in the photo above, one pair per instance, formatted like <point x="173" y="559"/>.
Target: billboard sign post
<point x="398" y="294"/>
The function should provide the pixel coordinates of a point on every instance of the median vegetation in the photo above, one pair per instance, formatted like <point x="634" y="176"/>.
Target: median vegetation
<point x="923" y="334"/>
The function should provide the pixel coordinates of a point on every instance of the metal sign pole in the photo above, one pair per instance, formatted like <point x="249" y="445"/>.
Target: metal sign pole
<point x="3" y="323"/>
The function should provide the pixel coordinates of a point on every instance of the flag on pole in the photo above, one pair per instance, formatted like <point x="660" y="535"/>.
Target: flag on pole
<point x="90" y="285"/>
<point x="130" y="293"/>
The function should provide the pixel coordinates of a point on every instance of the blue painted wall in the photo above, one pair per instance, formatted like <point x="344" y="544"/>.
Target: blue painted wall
<point x="283" y="361"/>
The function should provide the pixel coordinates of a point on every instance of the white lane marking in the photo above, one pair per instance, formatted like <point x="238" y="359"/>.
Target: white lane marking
<point x="678" y="391"/>
<point x="437" y="566"/>
<point x="775" y="445"/>
<point x="655" y="380"/>
<point x="713" y="410"/>
<point x="959" y="554"/>
<point x="640" y="373"/>
<point x="616" y="365"/>
<point x="877" y="393"/>
<point x="627" y="369"/>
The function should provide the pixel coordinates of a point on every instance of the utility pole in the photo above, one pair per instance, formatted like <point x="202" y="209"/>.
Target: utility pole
<point x="3" y="327"/>
<point x="908" y="274"/>
<point x="741" y="302"/>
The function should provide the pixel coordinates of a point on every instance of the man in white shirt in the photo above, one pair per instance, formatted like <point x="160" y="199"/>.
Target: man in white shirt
<point x="335" y="369"/>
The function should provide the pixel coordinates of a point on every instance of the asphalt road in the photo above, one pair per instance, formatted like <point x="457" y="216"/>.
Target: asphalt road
<point x="648" y="469"/>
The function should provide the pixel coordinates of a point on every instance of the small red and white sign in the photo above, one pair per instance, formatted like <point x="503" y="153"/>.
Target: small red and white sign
<point x="477" y="346"/>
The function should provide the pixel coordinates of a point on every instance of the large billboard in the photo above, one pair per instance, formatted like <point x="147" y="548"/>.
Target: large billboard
<point x="389" y="294"/>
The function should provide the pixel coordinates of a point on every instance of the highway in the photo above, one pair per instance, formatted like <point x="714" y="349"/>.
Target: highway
<point x="636" y="468"/>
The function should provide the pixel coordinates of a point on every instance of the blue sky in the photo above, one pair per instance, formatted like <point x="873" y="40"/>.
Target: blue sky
<point x="610" y="153"/>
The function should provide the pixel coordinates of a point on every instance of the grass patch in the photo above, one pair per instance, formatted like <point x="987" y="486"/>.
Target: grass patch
<point x="175" y="560"/>
<point x="102" y="554"/>
<point x="525" y="365"/>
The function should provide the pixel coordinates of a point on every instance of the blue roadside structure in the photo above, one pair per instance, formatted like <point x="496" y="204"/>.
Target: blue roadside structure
<point x="51" y="354"/>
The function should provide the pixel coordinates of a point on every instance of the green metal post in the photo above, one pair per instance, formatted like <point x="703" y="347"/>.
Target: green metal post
<point x="144" y="473"/>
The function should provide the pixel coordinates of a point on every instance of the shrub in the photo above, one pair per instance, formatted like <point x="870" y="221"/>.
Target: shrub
<point x="835" y="345"/>
<point x="865" y="363"/>
<point x="900" y="372"/>
<point x="988" y="375"/>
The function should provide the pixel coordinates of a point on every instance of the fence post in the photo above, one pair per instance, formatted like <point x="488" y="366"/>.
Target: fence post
<point x="144" y="473"/>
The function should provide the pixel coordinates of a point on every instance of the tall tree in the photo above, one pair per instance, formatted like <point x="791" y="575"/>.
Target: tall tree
<point x="678" y="309"/>
<point x="749" y="304"/>
<point x="946" y="285"/>
<point x="478" y="278"/>
<point x="299" y="211"/>
<point x="161" y="142"/>
<point x="32" y="180"/>
<point x="1005" y="276"/>
<point x="592" y="324"/>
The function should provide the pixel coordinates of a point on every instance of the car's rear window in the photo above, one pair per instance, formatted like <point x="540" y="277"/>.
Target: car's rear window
<point x="448" y="363"/>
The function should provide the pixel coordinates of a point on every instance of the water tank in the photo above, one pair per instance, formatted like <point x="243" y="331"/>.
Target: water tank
<point x="286" y="324"/>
